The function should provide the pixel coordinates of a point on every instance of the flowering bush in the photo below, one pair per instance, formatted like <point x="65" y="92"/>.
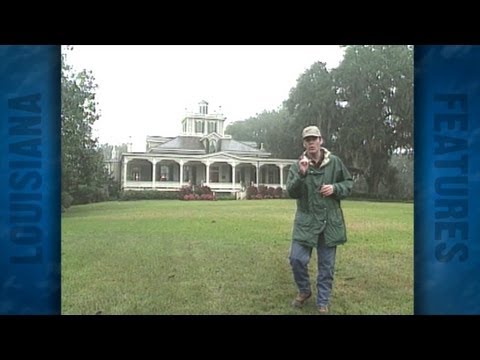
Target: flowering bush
<point x="196" y="192"/>
<point x="251" y="192"/>
<point x="264" y="192"/>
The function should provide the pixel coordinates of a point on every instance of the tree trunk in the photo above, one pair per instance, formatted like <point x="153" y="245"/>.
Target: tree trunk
<point x="372" y="184"/>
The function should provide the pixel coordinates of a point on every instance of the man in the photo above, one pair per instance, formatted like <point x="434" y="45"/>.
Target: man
<point x="319" y="180"/>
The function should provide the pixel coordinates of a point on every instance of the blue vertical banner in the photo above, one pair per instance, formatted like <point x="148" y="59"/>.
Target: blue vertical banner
<point x="447" y="180"/>
<point x="30" y="181"/>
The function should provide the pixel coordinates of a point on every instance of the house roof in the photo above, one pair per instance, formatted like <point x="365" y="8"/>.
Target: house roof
<point x="192" y="144"/>
<point x="230" y="145"/>
<point x="181" y="143"/>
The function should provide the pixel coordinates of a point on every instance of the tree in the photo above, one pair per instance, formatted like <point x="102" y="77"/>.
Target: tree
<point x="84" y="176"/>
<point x="266" y="128"/>
<point x="375" y="84"/>
<point x="313" y="101"/>
<point x="364" y="109"/>
<point x="108" y="150"/>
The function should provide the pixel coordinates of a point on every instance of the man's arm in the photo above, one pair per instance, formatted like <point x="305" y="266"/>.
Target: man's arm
<point x="295" y="182"/>
<point x="343" y="182"/>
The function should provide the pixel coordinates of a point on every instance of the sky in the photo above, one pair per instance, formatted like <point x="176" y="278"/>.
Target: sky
<point x="146" y="90"/>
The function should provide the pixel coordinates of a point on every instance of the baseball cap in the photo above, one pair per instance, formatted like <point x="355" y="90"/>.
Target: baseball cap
<point x="311" y="131"/>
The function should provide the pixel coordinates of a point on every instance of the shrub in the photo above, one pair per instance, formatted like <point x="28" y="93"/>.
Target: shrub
<point x="201" y="192"/>
<point x="225" y="196"/>
<point x="66" y="200"/>
<point x="148" y="195"/>
<point x="185" y="190"/>
<point x="278" y="193"/>
<point x="251" y="192"/>
<point x="86" y="194"/>
<point x="264" y="192"/>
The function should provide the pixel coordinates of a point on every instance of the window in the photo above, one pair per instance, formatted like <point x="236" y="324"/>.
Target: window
<point x="136" y="174"/>
<point x="272" y="175"/>
<point x="214" y="170"/>
<point x="212" y="147"/>
<point x="164" y="172"/>
<point x="186" y="173"/>
<point x="199" y="127"/>
<point x="212" y="126"/>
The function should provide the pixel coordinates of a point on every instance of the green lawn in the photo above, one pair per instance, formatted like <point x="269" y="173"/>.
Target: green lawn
<point x="226" y="257"/>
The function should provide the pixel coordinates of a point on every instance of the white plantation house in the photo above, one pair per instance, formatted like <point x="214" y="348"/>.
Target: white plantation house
<point x="202" y="154"/>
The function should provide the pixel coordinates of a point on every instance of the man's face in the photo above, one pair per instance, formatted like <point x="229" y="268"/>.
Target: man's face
<point x="312" y="144"/>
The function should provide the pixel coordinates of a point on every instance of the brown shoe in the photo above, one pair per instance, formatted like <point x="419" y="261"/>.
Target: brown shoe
<point x="300" y="299"/>
<point x="323" y="309"/>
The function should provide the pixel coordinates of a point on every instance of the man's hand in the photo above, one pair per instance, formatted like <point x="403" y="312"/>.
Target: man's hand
<point x="326" y="190"/>
<point x="303" y="165"/>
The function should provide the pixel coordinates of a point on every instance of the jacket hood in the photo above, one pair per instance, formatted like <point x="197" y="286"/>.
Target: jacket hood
<point x="326" y="156"/>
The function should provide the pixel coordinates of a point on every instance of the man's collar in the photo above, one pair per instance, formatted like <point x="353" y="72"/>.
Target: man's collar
<point x="324" y="157"/>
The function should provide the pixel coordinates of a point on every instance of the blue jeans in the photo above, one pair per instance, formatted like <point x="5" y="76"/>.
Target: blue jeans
<point x="300" y="257"/>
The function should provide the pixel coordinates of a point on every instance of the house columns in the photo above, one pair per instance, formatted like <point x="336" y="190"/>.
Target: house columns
<point x="233" y="164"/>
<point x="281" y="175"/>
<point x="154" y="167"/>
<point x="207" y="174"/>
<point x="125" y="161"/>
<point x="181" y="172"/>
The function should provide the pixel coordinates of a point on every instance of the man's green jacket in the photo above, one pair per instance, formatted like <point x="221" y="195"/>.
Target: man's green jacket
<point x="316" y="213"/>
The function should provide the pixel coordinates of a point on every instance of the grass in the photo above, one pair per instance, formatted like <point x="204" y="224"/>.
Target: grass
<point x="226" y="257"/>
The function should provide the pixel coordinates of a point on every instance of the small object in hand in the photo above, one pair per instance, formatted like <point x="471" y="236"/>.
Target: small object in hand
<point x="320" y="190"/>
<point x="304" y="160"/>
